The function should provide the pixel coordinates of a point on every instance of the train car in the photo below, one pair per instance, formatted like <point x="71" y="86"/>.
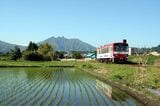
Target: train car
<point x="114" y="52"/>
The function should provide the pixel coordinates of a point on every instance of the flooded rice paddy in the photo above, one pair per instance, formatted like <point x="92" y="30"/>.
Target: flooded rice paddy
<point x="57" y="86"/>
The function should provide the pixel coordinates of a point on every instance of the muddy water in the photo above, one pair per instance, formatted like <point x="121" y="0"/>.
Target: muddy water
<point x="57" y="86"/>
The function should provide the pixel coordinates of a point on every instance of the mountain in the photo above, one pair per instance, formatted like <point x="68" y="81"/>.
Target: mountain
<point x="5" y="47"/>
<point x="64" y="44"/>
<point x="60" y="43"/>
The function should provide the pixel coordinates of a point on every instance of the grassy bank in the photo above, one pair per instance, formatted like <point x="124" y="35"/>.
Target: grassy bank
<point x="36" y="64"/>
<point x="149" y="59"/>
<point x="139" y="78"/>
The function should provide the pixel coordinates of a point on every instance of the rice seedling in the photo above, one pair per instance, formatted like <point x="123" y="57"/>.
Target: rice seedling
<point x="59" y="86"/>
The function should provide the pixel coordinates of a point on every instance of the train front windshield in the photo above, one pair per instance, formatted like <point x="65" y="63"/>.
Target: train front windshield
<point x="121" y="47"/>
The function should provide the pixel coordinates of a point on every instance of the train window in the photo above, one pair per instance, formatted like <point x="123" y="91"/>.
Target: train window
<point x="121" y="47"/>
<point x="101" y="51"/>
<point x="110" y="49"/>
<point x="97" y="51"/>
<point x="106" y="50"/>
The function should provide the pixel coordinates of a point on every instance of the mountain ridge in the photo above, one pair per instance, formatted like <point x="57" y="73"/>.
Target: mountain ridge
<point x="65" y="44"/>
<point x="6" y="47"/>
<point x="60" y="43"/>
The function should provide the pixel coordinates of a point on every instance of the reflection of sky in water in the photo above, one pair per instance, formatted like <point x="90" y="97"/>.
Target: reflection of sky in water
<point x="56" y="86"/>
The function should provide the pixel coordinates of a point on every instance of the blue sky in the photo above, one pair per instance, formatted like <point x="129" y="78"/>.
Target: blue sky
<point x="96" y="22"/>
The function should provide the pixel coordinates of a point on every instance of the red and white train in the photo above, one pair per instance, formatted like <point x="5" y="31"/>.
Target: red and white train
<point x="114" y="52"/>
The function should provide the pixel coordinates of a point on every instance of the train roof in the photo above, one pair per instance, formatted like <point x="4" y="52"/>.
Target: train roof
<point x="111" y="44"/>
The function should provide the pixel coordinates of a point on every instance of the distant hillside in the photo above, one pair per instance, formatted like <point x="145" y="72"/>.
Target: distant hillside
<point x="156" y="48"/>
<point x="5" y="47"/>
<point x="145" y="50"/>
<point x="64" y="44"/>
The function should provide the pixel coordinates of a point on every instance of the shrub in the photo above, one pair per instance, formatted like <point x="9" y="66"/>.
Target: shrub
<point x="77" y="55"/>
<point x="33" y="56"/>
<point x="87" y="66"/>
<point x="16" y="53"/>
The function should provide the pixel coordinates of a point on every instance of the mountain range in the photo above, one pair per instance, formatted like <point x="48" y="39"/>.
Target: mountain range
<point x="64" y="44"/>
<point x="6" y="47"/>
<point x="60" y="44"/>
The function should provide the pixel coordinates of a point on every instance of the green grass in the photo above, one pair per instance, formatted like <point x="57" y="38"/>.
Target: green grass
<point x="153" y="59"/>
<point x="141" y="58"/>
<point x="4" y="58"/>
<point x="137" y="77"/>
<point x="35" y="64"/>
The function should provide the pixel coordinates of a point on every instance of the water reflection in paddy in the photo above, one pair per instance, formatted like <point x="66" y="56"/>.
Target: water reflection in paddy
<point x="57" y="86"/>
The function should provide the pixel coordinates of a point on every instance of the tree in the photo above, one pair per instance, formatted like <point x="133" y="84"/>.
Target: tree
<point x="47" y="51"/>
<point x="59" y="55"/>
<point x="32" y="46"/>
<point x="16" y="53"/>
<point x="157" y="49"/>
<point x="31" y="52"/>
<point x="32" y="55"/>
<point x="43" y="52"/>
<point x="77" y="55"/>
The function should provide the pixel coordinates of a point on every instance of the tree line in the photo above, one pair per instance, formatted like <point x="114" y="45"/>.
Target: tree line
<point x="143" y="50"/>
<point x="33" y="52"/>
<point x="42" y="52"/>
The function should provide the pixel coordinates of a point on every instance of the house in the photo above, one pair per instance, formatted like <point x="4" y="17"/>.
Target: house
<point x="90" y="56"/>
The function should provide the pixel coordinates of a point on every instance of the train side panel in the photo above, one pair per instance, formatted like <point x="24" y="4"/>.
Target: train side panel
<point x="105" y="53"/>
